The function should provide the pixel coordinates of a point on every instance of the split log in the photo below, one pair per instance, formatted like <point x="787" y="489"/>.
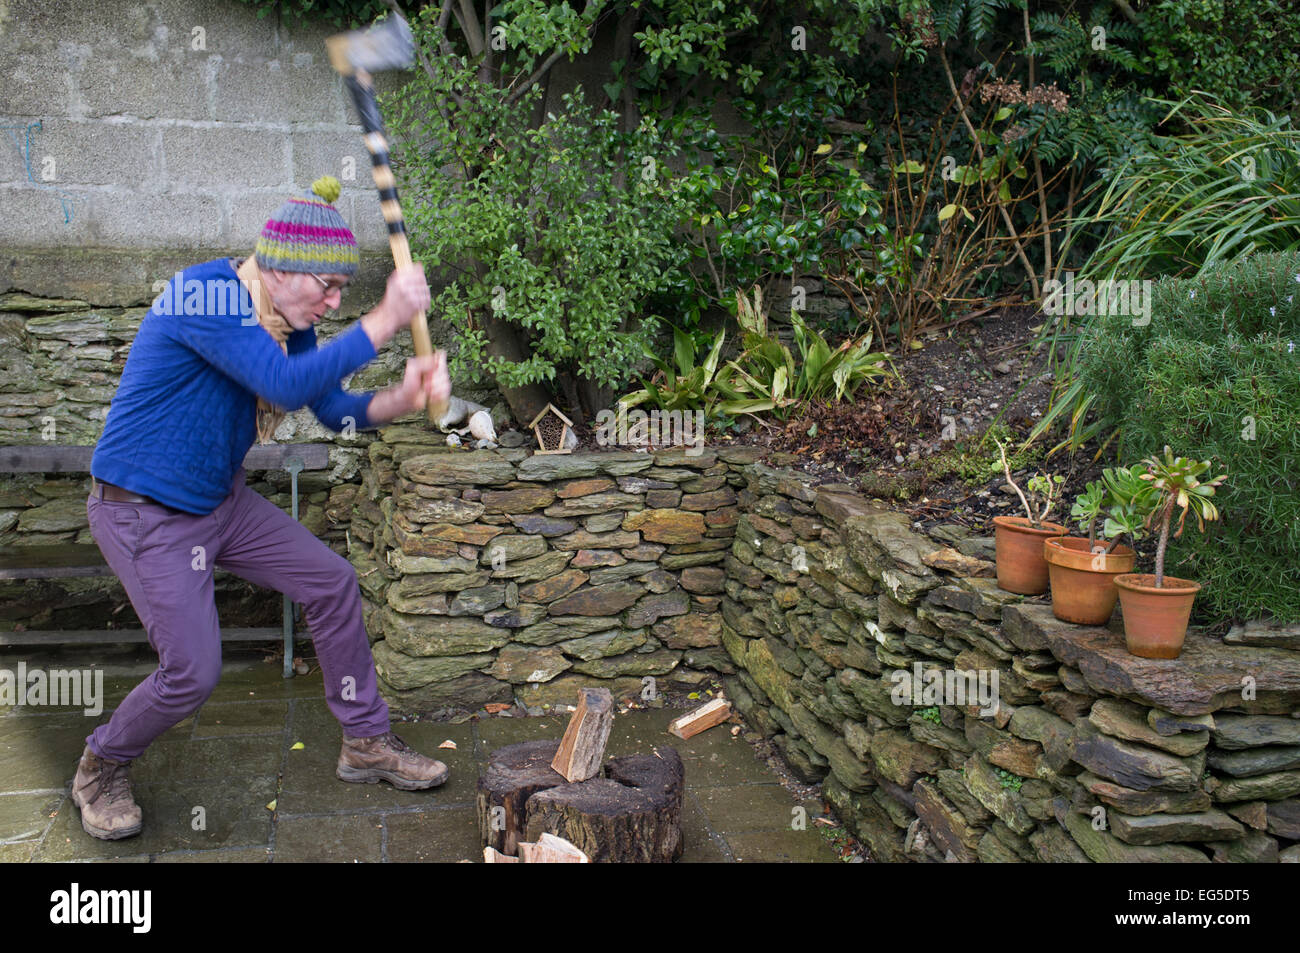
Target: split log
<point x="583" y="747"/>
<point x="513" y="775"/>
<point x="493" y="856"/>
<point x="550" y="849"/>
<point x="632" y="815"/>
<point x="703" y="718"/>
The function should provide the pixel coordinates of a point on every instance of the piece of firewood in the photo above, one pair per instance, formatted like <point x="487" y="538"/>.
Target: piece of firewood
<point x="583" y="747"/>
<point x="550" y="849"/>
<point x="704" y="717"/>
<point x="493" y="856"/>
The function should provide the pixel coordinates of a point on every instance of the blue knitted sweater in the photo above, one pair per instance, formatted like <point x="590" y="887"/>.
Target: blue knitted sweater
<point x="185" y="411"/>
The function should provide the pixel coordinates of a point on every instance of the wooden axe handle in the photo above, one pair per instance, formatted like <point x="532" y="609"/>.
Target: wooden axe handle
<point x="363" y="95"/>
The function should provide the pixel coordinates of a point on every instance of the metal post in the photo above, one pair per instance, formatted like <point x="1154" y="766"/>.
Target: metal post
<point x="294" y="466"/>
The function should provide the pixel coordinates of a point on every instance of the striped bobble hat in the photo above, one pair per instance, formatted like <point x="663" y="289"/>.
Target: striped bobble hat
<point x="309" y="234"/>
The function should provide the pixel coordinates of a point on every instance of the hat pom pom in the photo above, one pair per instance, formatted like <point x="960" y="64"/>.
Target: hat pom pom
<point x="327" y="187"/>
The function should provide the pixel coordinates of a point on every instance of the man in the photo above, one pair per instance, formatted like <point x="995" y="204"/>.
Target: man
<point x="221" y="355"/>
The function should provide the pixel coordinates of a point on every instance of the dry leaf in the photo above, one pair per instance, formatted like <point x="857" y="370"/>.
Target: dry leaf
<point x="493" y="707"/>
<point x="448" y="744"/>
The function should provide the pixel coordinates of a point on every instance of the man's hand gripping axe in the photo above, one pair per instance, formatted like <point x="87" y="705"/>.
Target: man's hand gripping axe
<point x="388" y="45"/>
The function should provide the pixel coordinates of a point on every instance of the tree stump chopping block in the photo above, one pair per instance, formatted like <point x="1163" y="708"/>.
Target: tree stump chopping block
<point x="513" y="775"/>
<point x="631" y="815"/>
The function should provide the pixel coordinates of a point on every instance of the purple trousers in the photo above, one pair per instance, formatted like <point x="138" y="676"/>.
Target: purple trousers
<point x="165" y="559"/>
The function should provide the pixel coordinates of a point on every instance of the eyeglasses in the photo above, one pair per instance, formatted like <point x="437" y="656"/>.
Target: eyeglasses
<point x="327" y="287"/>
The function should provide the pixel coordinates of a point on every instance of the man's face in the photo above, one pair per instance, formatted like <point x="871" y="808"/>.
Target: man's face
<point x="302" y="299"/>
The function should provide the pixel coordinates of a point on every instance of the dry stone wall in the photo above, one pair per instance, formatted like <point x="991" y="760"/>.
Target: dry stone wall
<point x="853" y="633"/>
<point x="501" y="575"/>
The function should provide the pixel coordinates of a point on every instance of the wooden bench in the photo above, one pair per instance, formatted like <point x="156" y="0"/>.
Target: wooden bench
<point x="66" y="560"/>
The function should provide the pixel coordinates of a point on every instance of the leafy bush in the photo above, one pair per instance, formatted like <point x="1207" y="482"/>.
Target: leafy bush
<point x="1216" y="374"/>
<point x="765" y="377"/>
<point x="1227" y="188"/>
<point x="684" y="385"/>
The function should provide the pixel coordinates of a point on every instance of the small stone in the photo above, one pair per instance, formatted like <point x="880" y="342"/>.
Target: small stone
<point x="518" y="664"/>
<point x="1126" y="720"/>
<point x="1235" y="732"/>
<point x="1174" y="828"/>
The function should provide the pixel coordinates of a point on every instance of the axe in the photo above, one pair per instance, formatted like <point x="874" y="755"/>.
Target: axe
<point x="355" y="55"/>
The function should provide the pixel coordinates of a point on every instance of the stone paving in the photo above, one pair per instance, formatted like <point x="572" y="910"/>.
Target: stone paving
<point x="238" y="754"/>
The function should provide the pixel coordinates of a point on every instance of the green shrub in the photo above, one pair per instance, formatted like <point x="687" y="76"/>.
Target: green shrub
<point x="1216" y="374"/>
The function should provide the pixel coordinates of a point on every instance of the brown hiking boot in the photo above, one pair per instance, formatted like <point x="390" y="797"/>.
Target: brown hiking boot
<point x="102" y="790"/>
<point x="388" y="758"/>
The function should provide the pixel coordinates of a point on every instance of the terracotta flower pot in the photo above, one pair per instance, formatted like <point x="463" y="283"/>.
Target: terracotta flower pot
<point x="1021" y="566"/>
<point x="1155" y="620"/>
<point x="1083" y="582"/>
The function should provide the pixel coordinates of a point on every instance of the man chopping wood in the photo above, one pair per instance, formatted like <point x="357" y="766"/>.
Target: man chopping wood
<point x="224" y="352"/>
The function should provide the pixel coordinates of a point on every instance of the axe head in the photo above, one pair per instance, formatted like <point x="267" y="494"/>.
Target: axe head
<point x="386" y="45"/>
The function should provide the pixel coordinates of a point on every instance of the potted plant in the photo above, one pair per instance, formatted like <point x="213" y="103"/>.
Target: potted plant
<point x="1082" y="570"/>
<point x="1156" y="607"/>
<point x="1018" y="540"/>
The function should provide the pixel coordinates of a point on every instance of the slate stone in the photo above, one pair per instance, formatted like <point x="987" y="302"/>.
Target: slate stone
<point x="1271" y="634"/>
<point x="411" y="565"/>
<point x="658" y="662"/>
<point x="512" y="547"/>
<point x="582" y="539"/>
<point x="986" y="787"/>
<point x="577" y="488"/>
<point x="1235" y="732"/>
<point x="466" y="693"/>
<point x="666" y="526"/>
<point x="535" y="524"/>
<point x="1252" y="848"/>
<point x="552" y="467"/>
<point x="595" y="503"/>
<point x="1254" y="761"/>
<point x="652" y="608"/>
<point x="605" y="601"/>
<point x="1123" y="719"/>
<point x="690" y="631"/>
<point x="1054" y="846"/>
<point x="548" y="590"/>
<point x="477" y="601"/>
<point x="522" y="615"/>
<point x="404" y="671"/>
<point x="703" y="579"/>
<point x="1251" y="813"/>
<point x="591" y="558"/>
<point x="1053" y="733"/>
<point x="1165" y="723"/>
<point x="518" y="664"/>
<point x="1174" y="828"/>
<point x="604" y="644"/>
<point x="1104" y="847"/>
<point x="530" y="570"/>
<point x="1263" y="787"/>
<point x="420" y="510"/>
<point x="902" y="759"/>
<point x="1206" y="677"/>
<point x="479" y="467"/>
<point x="1135" y="802"/>
<point x="564" y="689"/>
<point x="418" y="635"/>
<point x="1284" y="819"/>
<point x="522" y="500"/>
<point x="1132" y="765"/>
<point x="608" y="574"/>
<point x="557" y="629"/>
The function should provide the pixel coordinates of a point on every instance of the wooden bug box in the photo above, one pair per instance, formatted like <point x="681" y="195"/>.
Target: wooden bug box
<point x="552" y="430"/>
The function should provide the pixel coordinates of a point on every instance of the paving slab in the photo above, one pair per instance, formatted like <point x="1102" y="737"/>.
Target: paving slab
<point x="231" y="812"/>
<point x="204" y="786"/>
<point x="442" y="836"/>
<point x="345" y="839"/>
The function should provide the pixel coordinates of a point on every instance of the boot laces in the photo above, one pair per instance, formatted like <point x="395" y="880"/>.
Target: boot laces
<point x="114" y="782"/>
<point x="397" y="744"/>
